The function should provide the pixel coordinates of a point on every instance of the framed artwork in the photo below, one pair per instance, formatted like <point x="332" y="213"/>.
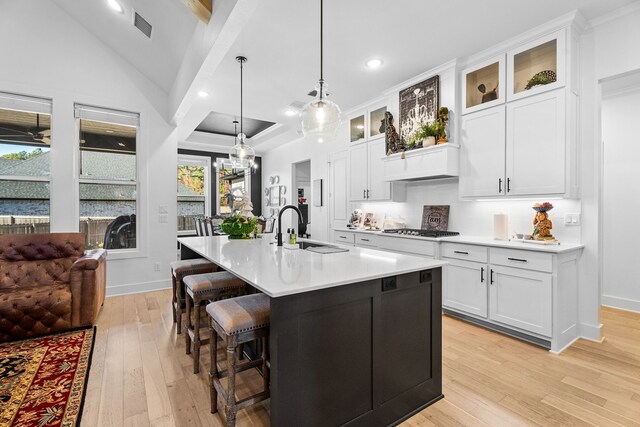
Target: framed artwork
<point x="435" y="217"/>
<point x="418" y="104"/>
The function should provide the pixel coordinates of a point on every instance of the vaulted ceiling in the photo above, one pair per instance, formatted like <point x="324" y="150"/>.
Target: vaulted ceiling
<point x="281" y="40"/>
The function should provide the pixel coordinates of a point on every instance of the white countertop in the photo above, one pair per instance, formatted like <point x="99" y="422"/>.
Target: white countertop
<point x="277" y="271"/>
<point x="478" y="240"/>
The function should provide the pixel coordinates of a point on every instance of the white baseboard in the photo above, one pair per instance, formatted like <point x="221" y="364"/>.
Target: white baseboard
<point x="590" y="332"/>
<point x="136" y="288"/>
<point x="621" y="303"/>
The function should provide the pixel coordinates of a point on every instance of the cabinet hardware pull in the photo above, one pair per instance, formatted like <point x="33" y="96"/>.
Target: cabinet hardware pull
<point x="499" y="185"/>
<point x="364" y="194"/>
<point x="482" y="275"/>
<point x="508" y="184"/>
<point x="342" y="237"/>
<point x="461" y="252"/>
<point x="367" y="194"/>
<point x="517" y="259"/>
<point x="364" y="240"/>
<point x="491" y="277"/>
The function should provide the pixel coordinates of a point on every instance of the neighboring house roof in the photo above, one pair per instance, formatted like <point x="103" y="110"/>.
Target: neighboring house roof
<point x="95" y="164"/>
<point x="185" y="194"/>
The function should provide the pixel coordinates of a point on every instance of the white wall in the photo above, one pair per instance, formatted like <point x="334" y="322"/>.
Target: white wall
<point x="55" y="57"/>
<point x="621" y="171"/>
<point x="608" y="50"/>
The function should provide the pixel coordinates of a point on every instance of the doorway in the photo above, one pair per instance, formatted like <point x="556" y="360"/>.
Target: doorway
<point x="620" y="286"/>
<point x="301" y="194"/>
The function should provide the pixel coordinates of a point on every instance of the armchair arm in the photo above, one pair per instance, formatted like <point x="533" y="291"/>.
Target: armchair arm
<point x="88" y="287"/>
<point x="91" y="260"/>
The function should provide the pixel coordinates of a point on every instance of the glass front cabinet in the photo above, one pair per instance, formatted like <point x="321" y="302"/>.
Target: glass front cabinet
<point x="536" y="67"/>
<point x="483" y="85"/>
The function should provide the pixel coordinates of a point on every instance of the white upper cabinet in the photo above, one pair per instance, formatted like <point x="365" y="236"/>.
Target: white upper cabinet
<point x="482" y="164"/>
<point x="379" y="189"/>
<point x="526" y="147"/>
<point x="483" y="85"/>
<point x="536" y="144"/>
<point x="358" y="172"/>
<point x="537" y="66"/>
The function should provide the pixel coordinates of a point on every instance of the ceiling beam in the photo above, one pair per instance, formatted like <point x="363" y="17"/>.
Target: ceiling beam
<point x="201" y="8"/>
<point x="208" y="47"/>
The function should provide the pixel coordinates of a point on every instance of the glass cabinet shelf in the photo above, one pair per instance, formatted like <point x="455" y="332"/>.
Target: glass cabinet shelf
<point x="483" y="85"/>
<point x="376" y="122"/>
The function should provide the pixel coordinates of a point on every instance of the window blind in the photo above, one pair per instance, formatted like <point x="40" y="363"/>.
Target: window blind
<point x="99" y="114"/>
<point x="10" y="101"/>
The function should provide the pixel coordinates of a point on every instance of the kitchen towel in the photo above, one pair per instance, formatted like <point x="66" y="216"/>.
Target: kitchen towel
<point x="501" y="226"/>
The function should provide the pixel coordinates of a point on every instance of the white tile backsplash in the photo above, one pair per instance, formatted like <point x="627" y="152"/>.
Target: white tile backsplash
<point x="474" y="218"/>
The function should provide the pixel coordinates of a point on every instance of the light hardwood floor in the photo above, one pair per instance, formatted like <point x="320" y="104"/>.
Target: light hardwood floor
<point x="140" y="375"/>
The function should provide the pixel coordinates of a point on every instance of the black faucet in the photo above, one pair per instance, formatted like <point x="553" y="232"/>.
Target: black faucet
<point x="280" y="220"/>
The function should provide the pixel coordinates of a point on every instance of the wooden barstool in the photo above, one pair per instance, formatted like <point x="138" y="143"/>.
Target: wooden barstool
<point x="180" y="270"/>
<point x="238" y="321"/>
<point x="200" y="288"/>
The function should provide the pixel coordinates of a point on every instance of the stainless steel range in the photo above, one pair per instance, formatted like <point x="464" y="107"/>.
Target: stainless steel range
<point x="422" y="233"/>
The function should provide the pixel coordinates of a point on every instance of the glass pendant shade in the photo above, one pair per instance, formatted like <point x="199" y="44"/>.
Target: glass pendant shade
<point x="242" y="156"/>
<point x="320" y="117"/>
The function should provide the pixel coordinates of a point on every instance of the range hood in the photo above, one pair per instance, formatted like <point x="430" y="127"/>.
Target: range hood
<point x="438" y="161"/>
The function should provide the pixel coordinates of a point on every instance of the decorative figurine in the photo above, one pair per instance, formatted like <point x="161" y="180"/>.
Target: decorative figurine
<point x="487" y="96"/>
<point x="394" y="144"/>
<point x="443" y="118"/>
<point x="356" y="218"/>
<point x="542" y="225"/>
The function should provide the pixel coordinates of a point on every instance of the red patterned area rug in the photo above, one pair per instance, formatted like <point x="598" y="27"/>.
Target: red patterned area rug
<point x="43" y="380"/>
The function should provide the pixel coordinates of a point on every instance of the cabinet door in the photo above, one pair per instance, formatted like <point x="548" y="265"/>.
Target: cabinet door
<point x="358" y="172"/>
<point x="521" y="299"/>
<point x="338" y="197"/>
<point x="465" y="287"/>
<point x="379" y="189"/>
<point x="536" y="145"/>
<point x="483" y="153"/>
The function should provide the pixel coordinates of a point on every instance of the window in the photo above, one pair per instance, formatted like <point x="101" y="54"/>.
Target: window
<point x="108" y="177"/>
<point x="25" y="145"/>
<point x="193" y="191"/>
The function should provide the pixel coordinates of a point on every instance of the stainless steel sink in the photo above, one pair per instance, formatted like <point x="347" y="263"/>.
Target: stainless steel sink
<point x="321" y="248"/>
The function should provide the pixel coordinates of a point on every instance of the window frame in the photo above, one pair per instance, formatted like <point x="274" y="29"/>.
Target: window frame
<point x="204" y="161"/>
<point x="32" y="105"/>
<point x="101" y="115"/>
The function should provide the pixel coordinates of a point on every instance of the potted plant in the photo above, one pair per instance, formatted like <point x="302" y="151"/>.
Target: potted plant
<point x="239" y="226"/>
<point x="426" y="134"/>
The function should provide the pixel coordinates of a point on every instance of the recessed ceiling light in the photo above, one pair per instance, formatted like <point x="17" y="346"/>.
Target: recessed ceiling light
<point x="203" y="94"/>
<point x="291" y="113"/>
<point x="113" y="4"/>
<point x="121" y="144"/>
<point x="360" y="126"/>
<point x="374" y="63"/>
<point x="109" y="131"/>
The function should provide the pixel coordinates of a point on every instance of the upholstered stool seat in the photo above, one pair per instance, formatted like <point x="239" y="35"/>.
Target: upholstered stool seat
<point x="180" y="270"/>
<point x="200" y="288"/>
<point x="238" y="321"/>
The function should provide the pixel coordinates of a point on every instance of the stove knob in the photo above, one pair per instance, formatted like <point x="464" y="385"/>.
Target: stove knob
<point x="415" y="233"/>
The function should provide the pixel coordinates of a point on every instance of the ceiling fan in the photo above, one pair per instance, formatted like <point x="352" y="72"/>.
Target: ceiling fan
<point x="35" y="135"/>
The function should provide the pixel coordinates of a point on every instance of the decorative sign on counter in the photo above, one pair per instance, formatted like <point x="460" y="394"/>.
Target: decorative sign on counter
<point x="435" y="217"/>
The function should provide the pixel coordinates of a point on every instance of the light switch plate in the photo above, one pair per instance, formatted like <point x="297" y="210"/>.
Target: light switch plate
<point x="571" y="219"/>
<point x="163" y="209"/>
<point x="163" y="219"/>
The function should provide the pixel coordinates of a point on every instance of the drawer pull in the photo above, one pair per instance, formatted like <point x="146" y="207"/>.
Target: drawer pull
<point x="364" y="240"/>
<point x="342" y="237"/>
<point x="461" y="252"/>
<point x="517" y="259"/>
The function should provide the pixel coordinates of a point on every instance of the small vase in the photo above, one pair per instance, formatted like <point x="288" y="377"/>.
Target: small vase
<point x="429" y="141"/>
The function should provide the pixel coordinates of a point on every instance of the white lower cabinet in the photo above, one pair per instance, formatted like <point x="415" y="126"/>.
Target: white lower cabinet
<point x="466" y="287"/>
<point x="532" y="293"/>
<point x="521" y="298"/>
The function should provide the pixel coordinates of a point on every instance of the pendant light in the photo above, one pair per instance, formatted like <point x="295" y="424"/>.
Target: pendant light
<point x="320" y="117"/>
<point x="241" y="155"/>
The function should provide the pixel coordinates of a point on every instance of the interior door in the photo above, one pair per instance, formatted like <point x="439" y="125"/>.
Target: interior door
<point x="482" y="170"/>
<point x="536" y="144"/>
<point x="358" y="172"/>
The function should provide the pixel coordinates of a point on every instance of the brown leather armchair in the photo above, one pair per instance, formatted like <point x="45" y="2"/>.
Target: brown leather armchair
<point x="48" y="284"/>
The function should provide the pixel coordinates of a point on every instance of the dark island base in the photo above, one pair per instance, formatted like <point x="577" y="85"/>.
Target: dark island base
<point x="366" y="354"/>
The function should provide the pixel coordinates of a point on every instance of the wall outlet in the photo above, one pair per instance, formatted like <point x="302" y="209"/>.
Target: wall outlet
<point x="156" y="266"/>
<point x="572" y="219"/>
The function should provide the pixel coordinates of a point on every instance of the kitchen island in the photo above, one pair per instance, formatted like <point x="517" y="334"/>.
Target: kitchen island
<point x="355" y="336"/>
